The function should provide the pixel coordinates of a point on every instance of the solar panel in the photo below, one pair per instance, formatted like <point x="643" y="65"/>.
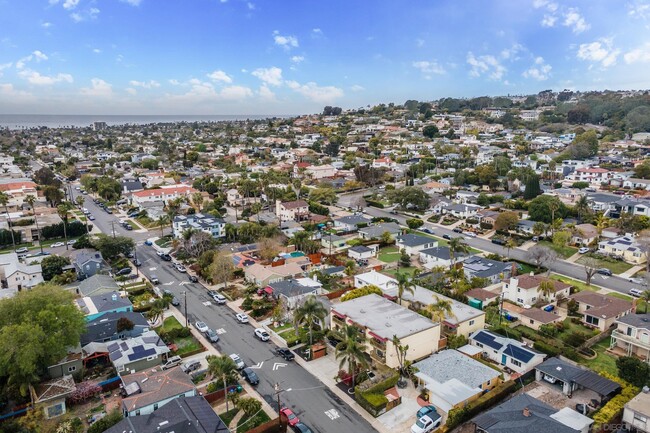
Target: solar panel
<point x="138" y="349"/>
<point x="150" y="340"/>
<point x="487" y="339"/>
<point x="518" y="353"/>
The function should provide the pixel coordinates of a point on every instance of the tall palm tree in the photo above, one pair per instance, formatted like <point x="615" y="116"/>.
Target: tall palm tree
<point x="311" y="312"/>
<point x="173" y="207"/>
<point x="546" y="288"/>
<point x="223" y="367"/>
<point x="63" y="209"/>
<point x="197" y="199"/>
<point x="601" y="222"/>
<point x="30" y="199"/>
<point x="582" y="207"/>
<point x="404" y="285"/>
<point x="350" y="351"/>
<point x="510" y="243"/>
<point x="4" y="200"/>
<point x="457" y="245"/>
<point x="440" y="310"/>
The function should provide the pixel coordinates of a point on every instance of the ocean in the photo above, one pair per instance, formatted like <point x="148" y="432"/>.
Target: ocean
<point x="24" y="121"/>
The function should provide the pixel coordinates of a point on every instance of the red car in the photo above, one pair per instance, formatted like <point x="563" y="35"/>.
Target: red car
<point x="292" y="419"/>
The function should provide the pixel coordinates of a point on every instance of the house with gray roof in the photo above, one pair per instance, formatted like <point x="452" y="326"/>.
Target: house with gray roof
<point x="139" y="353"/>
<point x="632" y="335"/>
<point x="506" y="351"/>
<point x="376" y="231"/>
<point x="526" y="414"/>
<point x="351" y="223"/>
<point x="209" y="224"/>
<point x="293" y="291"/>
<point x="96" y="285"/>
<point x="105" y="328"/>
<point x="89" y="263"/>
<point x="363" y="252"/>
<point x="96" y="306"/>
<point x="149" y="390"/>
<point x="493" y="270"/>
<point x="413" y="244"/>
<point x="453" y="379"/>
<point x="624" y="247"/>
<point x="439" y="256"/>
<point x="571" y="377"/>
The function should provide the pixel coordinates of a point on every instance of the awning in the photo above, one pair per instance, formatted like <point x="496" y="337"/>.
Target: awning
<point x="377" y="336"/>
<point x="596" y="383"/>
<point x="339" y="315"/>
<point x="268" y="290"/>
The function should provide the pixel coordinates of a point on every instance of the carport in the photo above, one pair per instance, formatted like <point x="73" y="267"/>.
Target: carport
<point x="572" y="377"/>
<point x="602" y="386"/>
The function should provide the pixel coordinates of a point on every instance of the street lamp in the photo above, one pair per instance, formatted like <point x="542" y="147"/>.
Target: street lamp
<point x="184" y="293"/>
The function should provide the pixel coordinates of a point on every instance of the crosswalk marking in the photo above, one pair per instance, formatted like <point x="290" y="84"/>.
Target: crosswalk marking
<point x="207" y="303"/>
<point x="332" y="414"/>
<point x="220" y="331"/>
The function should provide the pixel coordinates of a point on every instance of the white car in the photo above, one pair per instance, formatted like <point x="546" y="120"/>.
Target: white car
<point x="241" y="317"/>
<point x="72" y="241"/>
<point x="219" y="299"/>
<point x="583" y="250"/>
<point x="262" y="334"/>
<point x="201" y="327"/>
<point x="180" y="268"/>
<point x="238" y="361"/>
<point x="57" y="244"/>
<point x="425" y="424"/>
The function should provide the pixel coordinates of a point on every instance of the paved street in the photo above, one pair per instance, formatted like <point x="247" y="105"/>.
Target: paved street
<point x="559" y="266"/>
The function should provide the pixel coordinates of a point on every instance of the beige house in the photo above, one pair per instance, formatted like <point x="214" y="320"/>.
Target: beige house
<point x="297" y="210"/>
<point x="524" y="290"/>
<point x="380" y="319"/>
<point x="536" y="317"/>
<point x="320" y="171"/>
<point x="632" y="334"/>
<point x="600" y="311"/>
<point x="262" y="275"/>
<point x="585" y="234"/>
<point x="636" y="413"/>
<point x="624" y="247"/>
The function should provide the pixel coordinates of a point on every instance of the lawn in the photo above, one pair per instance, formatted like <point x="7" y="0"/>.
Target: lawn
<point x="248" y="423"/>
<point x="565" y="251"/>
<point x="616" y="266"/>
<point x="603" y="361"/>
<point x="389" y="254"/>
<point x="227" y="417"/>
<point x="186" y="345"/>
<point x="570" y="327"/>
<point x="171" y="323"/>
<point x="401" y="270"/>
<point x="164" y="241"/>
<point x="578" y="284"/>
<point x="282" y="328"/>
<point x="620" y="296"/>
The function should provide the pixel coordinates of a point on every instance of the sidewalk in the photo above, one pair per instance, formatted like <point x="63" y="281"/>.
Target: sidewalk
<point x="574" y="258"/>
<point x="633" y="270"/>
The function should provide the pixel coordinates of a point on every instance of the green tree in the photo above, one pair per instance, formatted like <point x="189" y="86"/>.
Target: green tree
<point x="405" y="284"/>
<point x="582" y="207"/>
<point x="36" y="328"/>
<point x="561" y="238"/>
<point x="362" y="291"/>
<point x="430" y="131"/>
<point x="539" y="228"/>
<point x="457" y="246"/>
<point x="404" y="259"/>
<point x="323" y="195"/>
<point x="414" y="223"/>
<point x="53" y="195"/>
<point x="409" y="197"/>
<point x="506" y="221"/>
<point x="645" y="297"/>
<point x="633" y="370"/>
<point x="224" y="368"/>
<point x="546" y="289"/>
<point x="546" y="208"/>
<point x="111" y="247"/>
<point x="642" y="171"/>
<point x="532" y="188"/>
<point x="440" y="310"/>
<point x="312" y="312"/>
<point x="53" y="265"/>
<point x="350" y="351"/>
<point x="249" y="405"/>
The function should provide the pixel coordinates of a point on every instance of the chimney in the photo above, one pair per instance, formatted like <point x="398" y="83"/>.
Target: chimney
<point x="526" y="412"/>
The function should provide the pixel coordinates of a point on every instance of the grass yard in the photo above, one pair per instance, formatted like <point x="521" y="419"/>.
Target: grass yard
<point x="580" y="285"/>
<point x="408" y="271"/>
<point x="282" y="328"/>
<point x="389" y="254"/>
<point x="620" y="296"/>
<point x="616" y="266"/>
<point x="290" y="336"/>
<point x="565" y="252"/>
<point x="248" y="423"/>
<point x="186" y="345"/>
<point x="570" y="327"/>
<point x="603" y="361"/>
<point x="227" y="417"/>
<point x="525" y="268"/>
<point x="171" y="323"/>
<point x="164" y="242"/>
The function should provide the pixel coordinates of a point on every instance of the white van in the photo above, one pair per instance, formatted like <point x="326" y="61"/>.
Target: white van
<point x="636" y="292"/>
<point x="172" y="362"/>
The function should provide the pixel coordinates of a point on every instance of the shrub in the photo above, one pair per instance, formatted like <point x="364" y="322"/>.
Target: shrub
<point x="212" y="387"/>
<point x="378" y="401"/>
<point x="414" y="223"/>
<point x="362" y="291"/>
<point x="471" y="221"/>
<point x="460" y="415"/>
<point x="105" y="423"/>
<point x="486" y="226"/>
<point x="574" y="339"/>
<point x="547" y="348"/>
<point x="374" y="203"/>
<point x="614" y="407"/>
<point x="385" y="380"/>
<point x="247" y="304"/>
<point x="549" y="329"/>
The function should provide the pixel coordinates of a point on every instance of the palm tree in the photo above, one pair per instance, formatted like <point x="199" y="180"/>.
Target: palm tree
<point x="197" y="199"/>
<point x="440" y="310"/>
<point x="582" y="206"/>
<point x="404" y="284"/>
<point x="80" y="200"/>
<point x="30" y="199"/>
<point x="162" y="220"/>
<point x="645" y="297"/>
<point x="63" y="209"/>
<point x="546" y="288"/>
<point x="4" y="200"/>
<point x="350" y="351"/>
<point x="312" y="311"/>
<point x="510" y="243"/>
<point x="223" y="367"/>
<point x="155" y="313"/>
<point x="457" y="245"/>
<point x="249" y="405"/>
<point x="601" y="222"/>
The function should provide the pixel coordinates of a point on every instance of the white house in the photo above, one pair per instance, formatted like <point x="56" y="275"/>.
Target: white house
<point x="164" y="194"/>
<point x="17" y="275"/>
<point x="320" y="171"/>
<point x="413" y="244"/>
<point x="363" y="252"/>
<point x="383" y="163"/>
<point x="384" y="282"/>
<point x="506" y="351"/>
<point x="199" y="222"/>
<point x="438" y="256"/>
<point x="524" y="289"/>
<point x="297" y="210"/>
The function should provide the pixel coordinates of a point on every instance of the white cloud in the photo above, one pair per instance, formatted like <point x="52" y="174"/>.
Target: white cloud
<point x="132" y="2"/>
<point x="250" y="6"/>
<point x="37" y="56"/>
<point x="540" y="70"/>
<point x="549" y="20"/>
<point x="131" y="91"/>
<point x="219" y="75"/>
<point x="174" y="82"/>
<point x="96" y="50"/>
<point x="70" y="4"/>
<point x="152" y="84"/>
<point x="316" y="33"/>
<point x="320" y="94"/>
<point x="36" y="78"/>
<point x="287" y="42"/>
<point x="5" y="66"/>
<point x="266" y="93"/>
<point x="638" y="55"/>
<point x="272" y="75"/>
<point x="428" y="68"/>
<point x="639" y="9"/>
<point x="235" y="92"/>
<point x="204" y="91"/>
<point x="600" y="51"/>
<point x="98" y="88"/>
<point x="46" y="25"/>
<point x="89" y="14"/>
<point x="550" y="6"/>
<point x="573" y="19"/>
<point x="357" y="88"/>
<point x="511" y="53"/>
<point x="487" y="64"/>
<point x="297" y="59"/>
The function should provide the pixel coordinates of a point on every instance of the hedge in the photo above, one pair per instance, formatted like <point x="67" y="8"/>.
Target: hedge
<point x="613" y="408"/>
<point x="388" y="380"/>
<point x="484" y="402"/>
<point x="373" y="203"/>
<point x="547" y="348"/>
<point x="5" y="238"/>
<point x="373" y="403"/>
<point x="318" y="209"/>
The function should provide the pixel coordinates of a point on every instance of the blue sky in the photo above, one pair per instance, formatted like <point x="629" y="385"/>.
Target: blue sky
<point x="291" y="57"/>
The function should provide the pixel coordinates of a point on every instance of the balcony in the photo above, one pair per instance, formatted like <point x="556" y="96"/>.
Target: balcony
<point x="379" y="344"/>
<point x="619" y="336"/>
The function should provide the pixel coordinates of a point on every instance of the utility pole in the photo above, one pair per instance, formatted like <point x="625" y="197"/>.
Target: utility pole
<point x="113" y="228"/>
<point x="278" y="390"/>
<point x="185" y="302"/>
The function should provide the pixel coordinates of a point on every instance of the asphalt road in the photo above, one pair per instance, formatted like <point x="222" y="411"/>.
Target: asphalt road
<point x="311" y="401"/>
<point x="563" y="267"/>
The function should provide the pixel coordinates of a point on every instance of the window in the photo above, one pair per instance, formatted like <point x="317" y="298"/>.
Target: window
<point x="518" y="290"/>
<point x="479" y="345"/>
<point x="629" y="331"/>
<point x="515" y="362"/>
<point x="471" y="322"/>
<point x="155" y="406"/>
<point x="639" y="417"/>
<point x="72" y="368"/>
<point x="151" y="358"/>
<point x="488" y="383"/>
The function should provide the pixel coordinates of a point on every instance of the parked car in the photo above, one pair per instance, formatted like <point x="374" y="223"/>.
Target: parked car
<point x="137" y="263"/>
<point x="499" y="241"/>
<point x="301" y="428"/>
<point x="241" y="317"/>
<point x="426" y="424"/>
<point x="426" y="410"/>
<point x="134" y="214"/>
<point x="470" y="234"/>
<point x="166" y="257"/>
<point x="446" y="236"/>
<point x="154" y="279"/>
<point x="219" y="299"/>
<point x="237" y="360"/>
<point x="191" y="366"/>
<point x="457" y="230"/>
<point x="212" y="336"/>
<point x="108" y="210"/>
<point x="56" y="245"/>
<point x="291" y="417"/>
<point x="123" y="271"/>
<point x="250" y="376"/>
<point x="193" y="279"/>
<point x="201" y="327"/>
<point x="180" y="268"/>
<point x="128" y="226"/>
<point x="636" y="292"/>
<point x="583" y="250"/>
<point x="286" y="353"/>
<point x="604" y="271"/>
<point x="22" y="250"/>
<point x="549" y="379"/>
<point x="72" y="241"/>
<point x="172" y="362"/>
<point x="262" y="334"/>
<point x="426" y="230"/>
<point x="148" y="243"/>
<point x="91" y="217"/>
<point x="640" y="281"/>
<point x="175" y="302"/>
